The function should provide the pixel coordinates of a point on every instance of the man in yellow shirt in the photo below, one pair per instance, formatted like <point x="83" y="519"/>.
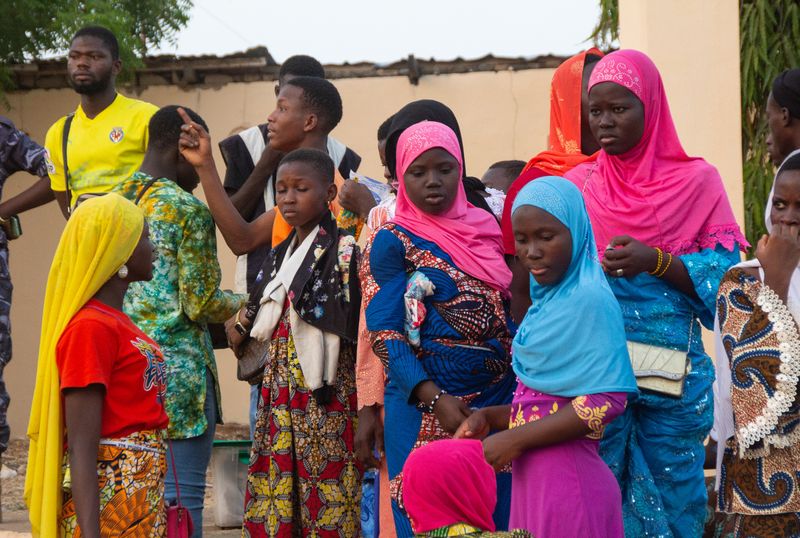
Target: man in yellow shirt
<point x="107" y="135"/>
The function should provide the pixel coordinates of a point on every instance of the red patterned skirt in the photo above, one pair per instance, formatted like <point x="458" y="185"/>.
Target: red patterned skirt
<point x="303" y="479"/>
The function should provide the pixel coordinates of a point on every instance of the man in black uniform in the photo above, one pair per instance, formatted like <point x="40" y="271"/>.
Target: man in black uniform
<point x="17" y="152"/>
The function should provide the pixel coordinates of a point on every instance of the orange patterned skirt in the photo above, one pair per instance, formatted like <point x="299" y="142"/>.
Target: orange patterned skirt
<point x="130" y="473"/>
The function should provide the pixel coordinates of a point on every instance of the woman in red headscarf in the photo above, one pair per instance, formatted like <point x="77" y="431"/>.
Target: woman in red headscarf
<point x="570" y="143"/>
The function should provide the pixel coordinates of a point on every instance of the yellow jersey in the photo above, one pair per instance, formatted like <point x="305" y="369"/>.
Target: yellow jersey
<point x="102" y="151"/>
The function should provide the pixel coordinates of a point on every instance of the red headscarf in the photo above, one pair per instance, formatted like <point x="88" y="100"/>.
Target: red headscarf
<point x="469" y="235"/>
<point x="564" y="143"/>
<point x="448" y="482"/>
<point x="654" y="192"/>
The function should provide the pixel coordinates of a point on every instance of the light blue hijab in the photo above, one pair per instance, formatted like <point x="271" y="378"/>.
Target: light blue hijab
<point x="572" y="340"/>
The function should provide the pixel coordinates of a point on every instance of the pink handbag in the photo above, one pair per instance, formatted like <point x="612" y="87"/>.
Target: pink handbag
<point x="179" y="520"/>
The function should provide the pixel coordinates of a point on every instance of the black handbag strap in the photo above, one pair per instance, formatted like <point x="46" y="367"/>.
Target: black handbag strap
<point x="144" y="190"/>
<point x="64" y="139"/>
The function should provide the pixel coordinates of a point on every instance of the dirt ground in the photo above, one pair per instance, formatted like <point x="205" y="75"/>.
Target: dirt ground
<point x="14" y="522"/>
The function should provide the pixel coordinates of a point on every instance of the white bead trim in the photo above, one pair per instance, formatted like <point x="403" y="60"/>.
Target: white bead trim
<point x="786" y="390"/>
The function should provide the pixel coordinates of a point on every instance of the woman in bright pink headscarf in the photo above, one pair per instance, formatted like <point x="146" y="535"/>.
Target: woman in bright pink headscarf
<point x="435" y="286"/>
<point x="469" y="235"/>
<point x="666" y="234"/>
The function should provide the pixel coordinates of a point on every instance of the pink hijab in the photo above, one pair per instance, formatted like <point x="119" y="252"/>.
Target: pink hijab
<point x="448" y="482"/>
<point x="655" y="192"/>
<point x="470" y="236"/>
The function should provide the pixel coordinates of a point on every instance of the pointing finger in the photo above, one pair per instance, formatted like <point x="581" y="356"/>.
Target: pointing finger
<point x="184" y="116"/>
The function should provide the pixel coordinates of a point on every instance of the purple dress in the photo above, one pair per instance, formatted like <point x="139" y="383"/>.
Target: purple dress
<point x="566" y="489"/>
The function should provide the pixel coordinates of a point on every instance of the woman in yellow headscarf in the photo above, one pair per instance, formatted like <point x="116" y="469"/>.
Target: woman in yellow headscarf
<point x="108" y="378"/>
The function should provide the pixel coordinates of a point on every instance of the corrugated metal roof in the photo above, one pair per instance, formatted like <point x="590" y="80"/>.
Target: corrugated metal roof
<point x="258" y="64"/>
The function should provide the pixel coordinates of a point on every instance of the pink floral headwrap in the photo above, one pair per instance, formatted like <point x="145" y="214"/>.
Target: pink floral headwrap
<point x="470" y="236"/>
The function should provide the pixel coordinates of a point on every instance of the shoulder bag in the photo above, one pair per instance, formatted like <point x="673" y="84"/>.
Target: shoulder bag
<point x="250" y="366"/>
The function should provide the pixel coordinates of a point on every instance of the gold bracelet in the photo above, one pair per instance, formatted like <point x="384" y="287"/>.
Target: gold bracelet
<point x="660" y="261"/>
<point x="664" y="271"/>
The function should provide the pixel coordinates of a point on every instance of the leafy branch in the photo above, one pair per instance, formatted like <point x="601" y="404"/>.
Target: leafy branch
<point x="30" y="29"/>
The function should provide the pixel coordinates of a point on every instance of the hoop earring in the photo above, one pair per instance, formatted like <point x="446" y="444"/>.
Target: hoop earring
<point x="123" y="272"/>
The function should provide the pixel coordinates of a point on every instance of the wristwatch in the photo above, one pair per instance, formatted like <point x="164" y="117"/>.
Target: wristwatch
<point x="241" y="329"/>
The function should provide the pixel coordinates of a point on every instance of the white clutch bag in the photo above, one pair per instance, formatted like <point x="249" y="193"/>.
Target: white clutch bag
<point x="660" y="369"/>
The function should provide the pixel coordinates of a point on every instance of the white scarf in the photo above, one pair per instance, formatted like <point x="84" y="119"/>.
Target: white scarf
<point x="317" y="351"/>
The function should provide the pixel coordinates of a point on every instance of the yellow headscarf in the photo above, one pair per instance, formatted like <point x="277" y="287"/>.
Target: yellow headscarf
<point x="99" y="238"/>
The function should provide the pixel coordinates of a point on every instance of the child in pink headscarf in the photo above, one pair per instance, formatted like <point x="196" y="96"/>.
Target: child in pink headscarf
<point x="450" y="490"/>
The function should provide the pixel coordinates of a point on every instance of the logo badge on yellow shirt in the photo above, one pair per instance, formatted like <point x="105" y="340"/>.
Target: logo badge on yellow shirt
<point x="116" y="135"/>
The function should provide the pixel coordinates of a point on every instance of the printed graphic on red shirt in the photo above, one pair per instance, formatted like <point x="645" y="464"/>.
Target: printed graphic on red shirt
<point x="154" y="374"/>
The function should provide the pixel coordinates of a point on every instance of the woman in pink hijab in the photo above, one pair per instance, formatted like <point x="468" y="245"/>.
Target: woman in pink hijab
<point x="665" y="234"/>
<point x="435" y="286"/>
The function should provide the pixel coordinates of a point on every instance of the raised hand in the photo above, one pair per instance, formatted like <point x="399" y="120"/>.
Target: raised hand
<point x="194" y="143"/>
<point x="779" y="254"/>
<point x="356" y="198"/>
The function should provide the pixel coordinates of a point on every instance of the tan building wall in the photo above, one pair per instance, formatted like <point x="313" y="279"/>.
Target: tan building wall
<point x="502" y="115"/>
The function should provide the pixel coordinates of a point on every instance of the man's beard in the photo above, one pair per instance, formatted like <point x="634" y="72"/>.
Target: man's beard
<point x="93" y="87"/>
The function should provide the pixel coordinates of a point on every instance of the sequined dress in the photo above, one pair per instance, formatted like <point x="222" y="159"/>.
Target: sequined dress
<point x="655" y="449"/>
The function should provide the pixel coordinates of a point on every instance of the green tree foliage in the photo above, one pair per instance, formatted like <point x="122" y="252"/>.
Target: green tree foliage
<point x="606" y="33"/>
<point x="30" y="29"/>
<point x="769" y="31"/>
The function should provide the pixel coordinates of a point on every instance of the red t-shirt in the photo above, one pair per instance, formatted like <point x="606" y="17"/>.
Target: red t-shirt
<point x="101" y="345"/>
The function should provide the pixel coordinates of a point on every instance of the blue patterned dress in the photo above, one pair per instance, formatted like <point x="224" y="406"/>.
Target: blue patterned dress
<point x="465" y="347"/>
<point x="655" y="449"/>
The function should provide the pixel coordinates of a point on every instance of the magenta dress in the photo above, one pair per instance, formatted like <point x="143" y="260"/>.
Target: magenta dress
<point x="566" y="489"/>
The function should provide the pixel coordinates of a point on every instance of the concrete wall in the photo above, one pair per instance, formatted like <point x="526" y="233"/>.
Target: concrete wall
<point x="502" y="115"/>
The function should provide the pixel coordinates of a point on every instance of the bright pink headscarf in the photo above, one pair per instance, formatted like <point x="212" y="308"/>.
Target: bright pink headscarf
<point x="471" y="236"/>
<point x="448" y="482"/>
<point x="655" y="192"/>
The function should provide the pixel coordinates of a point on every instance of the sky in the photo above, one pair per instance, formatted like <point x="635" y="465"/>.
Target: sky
<point x="383" y="32"/>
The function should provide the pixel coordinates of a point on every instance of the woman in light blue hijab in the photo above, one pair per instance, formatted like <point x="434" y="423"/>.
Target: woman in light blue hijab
<point x="574" y="373"/>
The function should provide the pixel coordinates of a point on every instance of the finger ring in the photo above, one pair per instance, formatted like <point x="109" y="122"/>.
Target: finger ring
<point x="619" y="272"/>
<point x="610" y="247"/>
